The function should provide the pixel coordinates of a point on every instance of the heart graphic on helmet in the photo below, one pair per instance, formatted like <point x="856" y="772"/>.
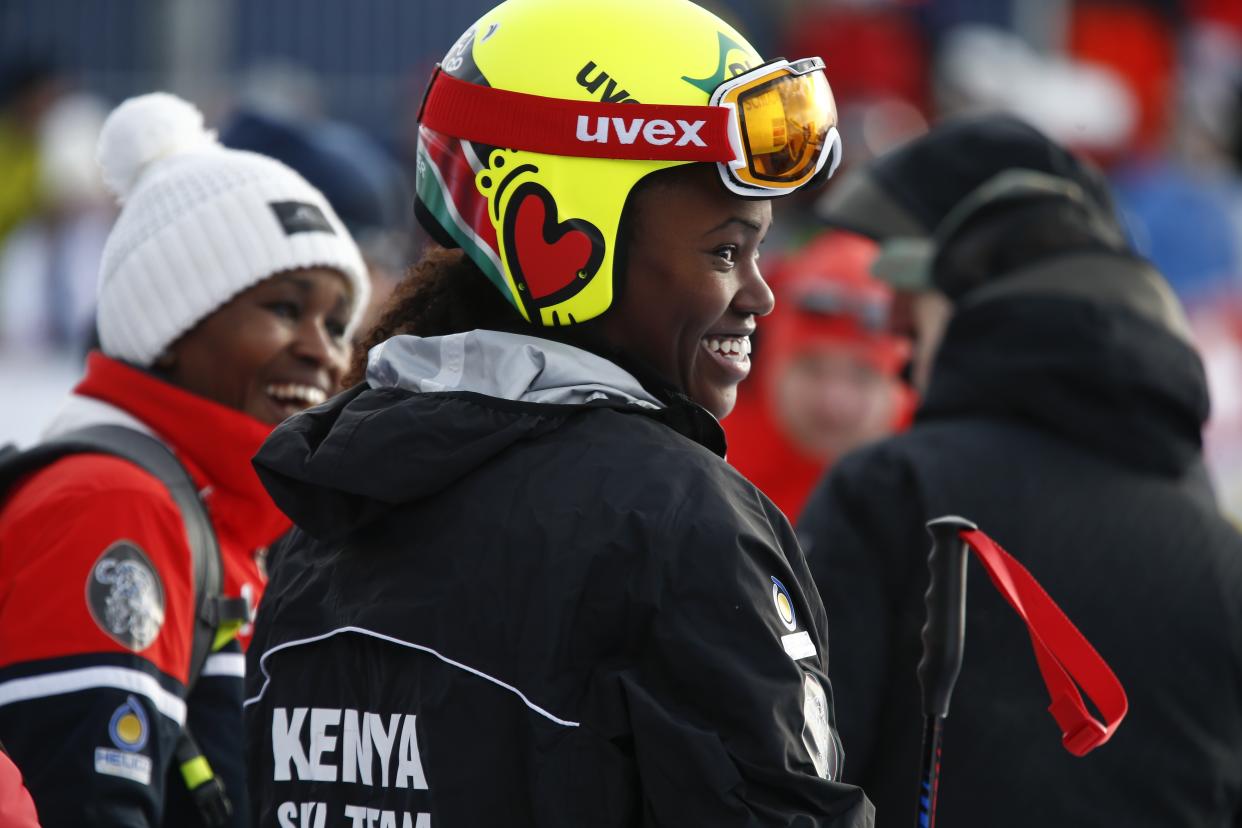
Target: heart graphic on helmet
<point x="551" y="261"/>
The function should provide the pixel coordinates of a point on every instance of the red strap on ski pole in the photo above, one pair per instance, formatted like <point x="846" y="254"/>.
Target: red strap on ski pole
<point x="1066" y="659"/>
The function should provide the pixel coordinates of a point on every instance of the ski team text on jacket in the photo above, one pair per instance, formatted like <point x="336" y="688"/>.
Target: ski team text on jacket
<point x="526" y="592"/>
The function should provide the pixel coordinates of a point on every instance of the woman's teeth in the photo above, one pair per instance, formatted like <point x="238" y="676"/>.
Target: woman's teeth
<point x="730" y="347"/>
<point x="308" y="394"/>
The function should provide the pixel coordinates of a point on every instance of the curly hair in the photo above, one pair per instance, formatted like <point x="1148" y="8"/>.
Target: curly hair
<point x="445" y="293"/>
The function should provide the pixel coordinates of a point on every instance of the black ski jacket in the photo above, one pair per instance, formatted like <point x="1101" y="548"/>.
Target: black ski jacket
<point x="1068" y="428"/>
<point x="505" y="612"/>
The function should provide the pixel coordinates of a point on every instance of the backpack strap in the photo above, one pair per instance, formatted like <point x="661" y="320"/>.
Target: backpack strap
<point x="150" y="455"/>
<point x="216" y="618"/>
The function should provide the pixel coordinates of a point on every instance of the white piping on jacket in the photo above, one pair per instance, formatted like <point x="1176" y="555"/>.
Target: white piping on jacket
<point x="267" y="677"/>
<point x="225" y="664"/>
<point x="87" y="678"/>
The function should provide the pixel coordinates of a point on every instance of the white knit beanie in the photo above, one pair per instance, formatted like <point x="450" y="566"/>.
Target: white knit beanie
<point x="199" y="224"/>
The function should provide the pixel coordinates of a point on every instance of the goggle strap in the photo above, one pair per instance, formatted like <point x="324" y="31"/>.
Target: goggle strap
<point x="588" y="129"/>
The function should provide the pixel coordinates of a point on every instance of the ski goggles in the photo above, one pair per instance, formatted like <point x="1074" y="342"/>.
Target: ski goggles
<point x="770" y="130"/>
<point x="786" y="120"/>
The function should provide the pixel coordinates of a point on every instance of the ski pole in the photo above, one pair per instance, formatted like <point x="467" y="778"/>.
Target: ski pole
<point x="943" y="641"/>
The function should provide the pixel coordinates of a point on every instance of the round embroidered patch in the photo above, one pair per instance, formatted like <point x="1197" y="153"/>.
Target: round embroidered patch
<point x="125" y="596"/>
<point x="784" y="605"/>
<point x="128" y="726"/>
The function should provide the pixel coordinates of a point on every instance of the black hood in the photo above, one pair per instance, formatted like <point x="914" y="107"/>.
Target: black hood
<point x="339" y="466"/>
<point x="342" y="465"/>
<point x="1116" y="379"/>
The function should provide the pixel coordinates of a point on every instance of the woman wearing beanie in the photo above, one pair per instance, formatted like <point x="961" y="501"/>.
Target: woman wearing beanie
<point x="525" y="588"/>
<point x="227" y="295"/>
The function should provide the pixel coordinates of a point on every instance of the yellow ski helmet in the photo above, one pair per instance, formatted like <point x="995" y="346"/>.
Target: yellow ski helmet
<point x="546" y="113"/>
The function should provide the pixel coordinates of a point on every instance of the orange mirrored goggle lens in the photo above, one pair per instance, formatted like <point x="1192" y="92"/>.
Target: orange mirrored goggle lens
<point x="785" y="124"/>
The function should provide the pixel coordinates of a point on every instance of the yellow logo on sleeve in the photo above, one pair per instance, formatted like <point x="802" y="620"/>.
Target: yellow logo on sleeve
<point x="784" y="605"/>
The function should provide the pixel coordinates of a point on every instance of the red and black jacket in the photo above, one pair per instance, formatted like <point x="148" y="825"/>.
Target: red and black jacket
<point x="96" y="607"/>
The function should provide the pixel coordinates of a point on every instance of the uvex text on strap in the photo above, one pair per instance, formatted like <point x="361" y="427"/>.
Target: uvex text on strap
<point x="770" y="130"/>
<point x="1066" y="659"/>
<point x="556" y="126"/>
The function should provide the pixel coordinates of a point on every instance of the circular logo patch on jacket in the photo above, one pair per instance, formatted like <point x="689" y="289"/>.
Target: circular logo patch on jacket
<point x="128" y="727"/>
<point x="784" y="605"/>
<point x="125" y="596"/>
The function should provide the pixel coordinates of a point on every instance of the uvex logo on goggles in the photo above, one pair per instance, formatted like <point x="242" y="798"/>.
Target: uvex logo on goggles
<point x="657" y="132"/>
<point x="770" y="130"/>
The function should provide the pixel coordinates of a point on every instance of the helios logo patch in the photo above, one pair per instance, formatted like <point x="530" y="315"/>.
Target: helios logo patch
<point x="128" y="727"/>
<point x="300" y="217"/>
<point x="132" y="766"/>
<point x="130" y="731"/>
<point x="125" y="596"/>
<point x="784" y="605"/>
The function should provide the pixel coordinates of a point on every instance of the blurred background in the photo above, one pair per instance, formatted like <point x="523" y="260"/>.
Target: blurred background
<point x="1150" y="89"/>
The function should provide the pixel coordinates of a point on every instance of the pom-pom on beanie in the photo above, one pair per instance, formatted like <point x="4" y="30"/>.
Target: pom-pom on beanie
<point x="199" y="224"/>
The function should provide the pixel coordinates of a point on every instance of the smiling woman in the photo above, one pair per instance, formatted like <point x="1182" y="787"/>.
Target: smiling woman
<point x="228" y="294"/>
<point x="518" y="528"/>
<point x="693" y="288"/>
<point x="689" y="288"/>
<point x="272" y="350"/>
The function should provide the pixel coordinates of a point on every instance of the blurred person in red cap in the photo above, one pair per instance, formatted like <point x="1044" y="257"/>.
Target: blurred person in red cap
<point x="827" y="379"/>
